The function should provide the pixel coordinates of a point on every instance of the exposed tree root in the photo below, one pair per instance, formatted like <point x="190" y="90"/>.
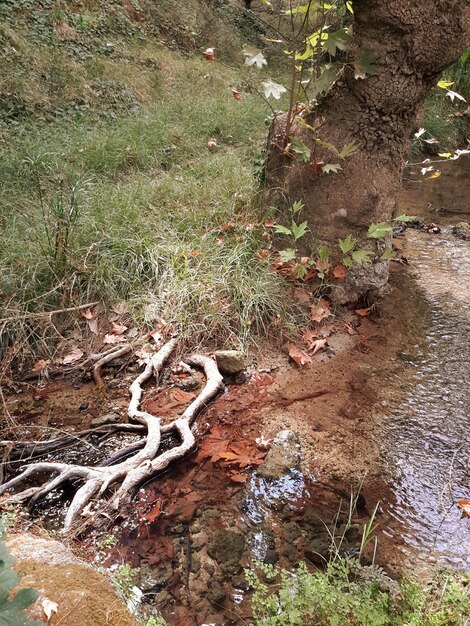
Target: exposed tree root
<point x="144" y="462"/>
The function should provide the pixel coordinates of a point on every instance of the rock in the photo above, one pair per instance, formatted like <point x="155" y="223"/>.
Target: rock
<point x="271" y="557"/>
<point x="154" y="579"/>
<point x="318" y="551"/>
<point x="462" y="230"/>
<point x="230" y="361"/>
<point x="216" y="593"/>
<point x="187" y="384"/>
<point x="109" y="418"/>
<point x="84" y="596"/>
<point x="226" y="547"/>
<point x="283" y="456"/>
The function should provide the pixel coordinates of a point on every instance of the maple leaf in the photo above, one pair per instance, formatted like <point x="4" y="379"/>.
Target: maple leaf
<point x="297" y="355"/>
<point x="92" y="321"/>
<point x="331" y="167"/>
<point x="319" y="311"/>
<point x="74" y="355"/>
<point x="273" y="89"/>
<point x="254" y="56"/>
<point x="111" y="339"/>
<point x="319" y="344"/>
<point x="118" y="329"/>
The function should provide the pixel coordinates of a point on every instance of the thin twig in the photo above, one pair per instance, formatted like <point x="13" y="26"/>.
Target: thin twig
<point x="26" y="316"/>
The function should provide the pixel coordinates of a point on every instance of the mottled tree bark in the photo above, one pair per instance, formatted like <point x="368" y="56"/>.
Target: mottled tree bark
<point x="413" y="41"/>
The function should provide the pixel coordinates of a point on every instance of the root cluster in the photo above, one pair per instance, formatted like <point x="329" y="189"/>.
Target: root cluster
<point x="123" y="477"/>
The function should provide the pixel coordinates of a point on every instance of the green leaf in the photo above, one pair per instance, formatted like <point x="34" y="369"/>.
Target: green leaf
<point x="387" y="255"/>
<point x="326" y="79"/>
<point x="287" y="255"/>
<point x="339" y="39"/>
<point x="282" y="230"/>
<point x="349" y="6"/>
<point x="331" y="167"/>
<point x="346" y="245"/>
<point x="273" y="89"/>
<point x="300" y="149"/>
<point x="347" y="261"/>
<point x="377" y="231"/>
<point x="405" y="218"/>
<point x="364" y="64"/>
<point x="361" y="256"/>
<point x="324" y="254"/>
<point x="348" y="149"/>
<point x="254" y="56"/>
<point x="300" y="271"/>
<point x="299" y="230"/>
<point x="296" y="207"/>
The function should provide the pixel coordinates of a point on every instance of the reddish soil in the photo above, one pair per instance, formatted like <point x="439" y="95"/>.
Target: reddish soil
<point x="329" y="403"/>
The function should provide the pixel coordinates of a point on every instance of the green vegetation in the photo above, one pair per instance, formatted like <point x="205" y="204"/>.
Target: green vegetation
<point x="13" y="605"/>
<point x="125" y="579"/>
<point x="347" y="593"/>
<point x="121" y="199"/>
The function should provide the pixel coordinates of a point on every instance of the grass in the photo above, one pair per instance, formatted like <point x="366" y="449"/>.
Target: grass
<point x="347" y="593"/>
<point x="137" y="208"/>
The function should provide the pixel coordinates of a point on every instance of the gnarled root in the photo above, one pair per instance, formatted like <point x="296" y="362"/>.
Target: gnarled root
<point x="143" y="464"/>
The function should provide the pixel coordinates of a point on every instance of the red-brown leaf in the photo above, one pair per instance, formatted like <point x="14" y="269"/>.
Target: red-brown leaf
<point x="339" y="271"/>
<point x="297" y="355"/>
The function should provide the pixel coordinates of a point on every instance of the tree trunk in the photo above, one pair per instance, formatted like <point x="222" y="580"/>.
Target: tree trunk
<point x="413" y="42"/>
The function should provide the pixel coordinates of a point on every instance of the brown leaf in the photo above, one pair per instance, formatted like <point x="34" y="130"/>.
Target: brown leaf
<point x="269" y="223"/>
<point x="40" y="365"/>
<point x="89" y="314"/>
<point x="74" y="355"/>
<point x="465" y="506"/>
<point x="111" y="339"/>
<point x="320" y="311"/>
<point x="262" y="254"/>
<point x="351" y="330"/>
<point x="120" y="308"/>
<point x="318" y="345"/>
<point x="154" y="511"/>
<point x="339" y="271"/>
<point x="118" y="329"/>
<point x="301" y="295"/>
<point x="236" y="94"/>
<point x="363" y="312"/>
<point x="238" y="478"/>
<point x="212" y="144"/>
<point x="297" y="355"/>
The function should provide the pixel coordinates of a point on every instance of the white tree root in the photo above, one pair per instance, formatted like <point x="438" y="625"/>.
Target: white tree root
<point x="139" y="467"/>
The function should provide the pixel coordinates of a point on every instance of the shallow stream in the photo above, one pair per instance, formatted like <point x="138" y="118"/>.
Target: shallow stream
<point x="426" y="444"/>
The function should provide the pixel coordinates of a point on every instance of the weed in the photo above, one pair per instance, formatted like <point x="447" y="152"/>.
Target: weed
<point x="125" y="579"/>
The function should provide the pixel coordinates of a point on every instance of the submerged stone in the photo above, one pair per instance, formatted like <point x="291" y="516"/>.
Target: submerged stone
<point x="226" y="547"/>
<point x="283" y="457"/>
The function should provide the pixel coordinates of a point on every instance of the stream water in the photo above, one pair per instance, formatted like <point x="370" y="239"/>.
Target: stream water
<point x="427" y="436"/>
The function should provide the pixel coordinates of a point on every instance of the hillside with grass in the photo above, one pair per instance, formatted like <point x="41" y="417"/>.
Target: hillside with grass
<point x="109" y="189"/>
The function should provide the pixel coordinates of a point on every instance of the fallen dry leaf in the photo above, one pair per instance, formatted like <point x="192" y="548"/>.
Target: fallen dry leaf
<point x="262" y="254"/>
<point x="236" y="94"/>
<point x="208" y="54"/>
<point x="111" y="339"/>
<point x="41" y="365"/>
<point x="118" y="329"/>
<point x="120" y="308"/>
<point x="339" y="271"/>
<point x="363" y="312"/>
<point x="300" y="295"/>
<point x="212" y="144"/>
<point x="49" y="607"/>
<point x="318" y="345"/>
<point x="297" y="355"/>
<point x="92" y="321"/>
<point x="74" y="355"/>
<point x="465" y="506"/>
<point x="238" y="478"/>
<point x="320" y="311"/>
